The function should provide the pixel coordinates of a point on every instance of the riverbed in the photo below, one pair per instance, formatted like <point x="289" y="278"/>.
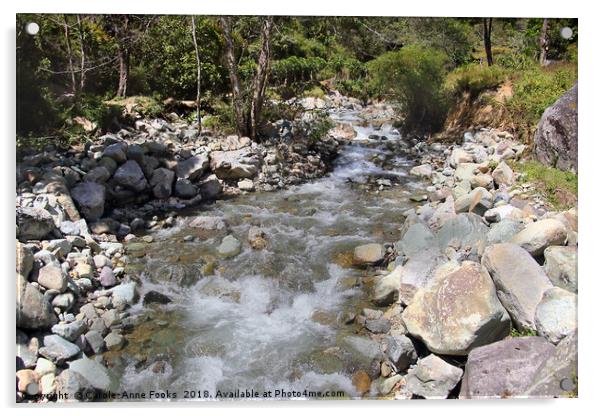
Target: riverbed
<point x="273" y="319"/>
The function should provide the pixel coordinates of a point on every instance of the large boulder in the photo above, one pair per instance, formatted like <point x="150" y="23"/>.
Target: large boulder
<point x="557" y="376"/>
<point x="34" y="310"/>
<point x="561" y="266"/>
<point x="235" y="164"/>
<point x="479" y="200"/>
<point x="538" y="236"/>
<point x="130" y="176"/>
<point x="433" y="378"/>
<point x="52" y="276"/>
<point x="161" y="182"/>
<point x="210" y="187"/>
<point x="505" y="368"/>
<point x="519" y="280"/>
<point x="193" y="167"/>
<point x="458" y="312"/>
<point x="116" y="151"/>
<point x="556" y="138"/>
<point x="90" y="198"/>
<point x="34" y="223"/>
<point x="556" y="314"/>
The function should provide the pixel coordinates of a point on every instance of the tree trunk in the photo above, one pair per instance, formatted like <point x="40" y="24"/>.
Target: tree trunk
<point x="263" y="66"/>
<point x="543" y="42"/>
<point x="198" y="74"/>
<point x="82" y="50"/>
<point x="237" y="101"/>
<point x="70" y="55"/>
<point x="487" y="26"/>
<point x="124" y="69"/>
<point x="123" y="56"/>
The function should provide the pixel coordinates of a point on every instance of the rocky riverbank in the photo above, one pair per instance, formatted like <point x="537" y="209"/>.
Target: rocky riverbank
<point x="481" y="300"/>
<point x="479" y="259"/>
<point x="77" y="206"/>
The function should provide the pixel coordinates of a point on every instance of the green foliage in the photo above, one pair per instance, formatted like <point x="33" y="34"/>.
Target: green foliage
<point x="515" y="333"/>
<point x="537" y="89"/>
<point x="550" y="181"/>
<point x="413" y="77"/>
<point x="319" y="126"/>
<point x="474" y="79"/>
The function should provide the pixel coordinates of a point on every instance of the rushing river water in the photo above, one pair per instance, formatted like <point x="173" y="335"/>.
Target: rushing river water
<point x="267" y="319"/>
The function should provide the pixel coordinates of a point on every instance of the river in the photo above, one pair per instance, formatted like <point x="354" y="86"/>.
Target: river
<point x="270" y="320"/>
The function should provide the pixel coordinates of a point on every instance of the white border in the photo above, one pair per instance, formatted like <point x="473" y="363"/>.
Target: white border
<point x="589" y="199"/>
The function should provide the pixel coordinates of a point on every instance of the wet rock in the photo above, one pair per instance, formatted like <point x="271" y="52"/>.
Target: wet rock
<point x="208" y="223"/>
<point x="90" y="198"/>
<point x="125" y="294"/>
<point x="58" y="349"/>
<point x="114" y="341"/>
<point x="556" y="314"/>
<point x="519" y="280"/>
<point x="561" y="266"/>
<point x="193" y="167"/>
<point x="557" y="376"/>
<point x="34" y="223"/>
<point x="433" y="378"/>
<point x="257" y="238"/>
<point x="156" y="297"/>
<point x="229" y="247"/>
<point x="504" y="369"/>
<point x="161" y="182"/>
<point x="556" y="138"/>
<point x="367" y="254"/>
<point x="361" y="381"/>
<point x="246" y="185"/>
<point x="183" y="275"/>
<point x="538" y="236"/>
<point x="52" y="276"/>
<point x="235" y="164"/>
<point x="130" y="176"/>
<point x="459" y="312"/>
<point x="94" y="373"/>
<point x="417" y="239"/>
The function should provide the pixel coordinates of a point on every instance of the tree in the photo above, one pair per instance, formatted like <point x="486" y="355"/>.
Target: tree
<point x="487" y="27"/>
<point x="198" y="73"/>
<point x="543" y="42"/>
<point x="70" y="54"/>
<point x="248" y="106"/>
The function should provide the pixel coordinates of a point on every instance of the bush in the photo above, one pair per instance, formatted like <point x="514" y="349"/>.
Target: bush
<point x="474" y="79"/>
<point x="535" y="90"/>
<point x="413" y="77"/>
<point x="556" y="185"/>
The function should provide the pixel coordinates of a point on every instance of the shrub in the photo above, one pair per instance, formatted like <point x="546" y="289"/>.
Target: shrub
<point x="535" y="90"/>
<point x="474" y="79"/>
<point x="413" y="77"/>
<point x="553" y="183"/>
